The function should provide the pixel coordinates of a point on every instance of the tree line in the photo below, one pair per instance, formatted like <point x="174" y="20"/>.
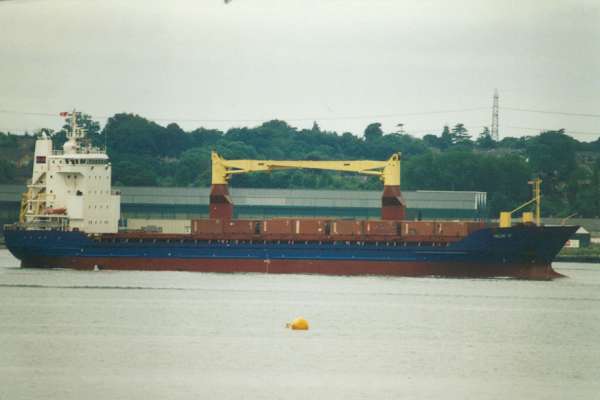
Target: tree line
<point x="144" y="153"/>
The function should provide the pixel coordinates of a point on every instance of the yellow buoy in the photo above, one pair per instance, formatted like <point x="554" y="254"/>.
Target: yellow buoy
<point x="299" y="324"/>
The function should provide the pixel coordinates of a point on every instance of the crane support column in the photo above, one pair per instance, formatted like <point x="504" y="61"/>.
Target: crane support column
<point x="221" y="205"/>
<point x="392" y="203"/>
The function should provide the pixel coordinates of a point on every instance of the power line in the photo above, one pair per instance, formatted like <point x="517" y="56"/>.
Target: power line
<point x="432" y="130"/>
<point x="392" y="115"/>
<point x="322" y="118"/>
<point x="567" y="131"/>
<point x="438" y="129"/>
<point x="29" y="113"/>
<point x="352" y="117"/>
<point x="551" y="112"/>
<point x="11" y="130"/>
<point x="475" y="127"/>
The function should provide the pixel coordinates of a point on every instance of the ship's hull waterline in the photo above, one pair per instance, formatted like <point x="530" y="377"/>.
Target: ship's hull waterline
<point x="518" y="252"/>
<point x="320" y="267"/>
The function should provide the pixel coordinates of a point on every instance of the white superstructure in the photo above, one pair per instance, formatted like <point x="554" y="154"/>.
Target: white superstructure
<point x="71" y="189"/>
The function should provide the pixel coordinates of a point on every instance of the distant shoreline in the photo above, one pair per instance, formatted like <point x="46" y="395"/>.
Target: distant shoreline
<point x="579" y="259"/>
<point x="589" y="254"/>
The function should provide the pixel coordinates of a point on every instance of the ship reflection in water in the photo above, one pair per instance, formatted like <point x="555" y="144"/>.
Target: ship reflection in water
<point x="127" y="334"/>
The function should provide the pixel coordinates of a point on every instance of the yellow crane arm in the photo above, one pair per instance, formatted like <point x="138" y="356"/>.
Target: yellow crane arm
<point x="523" y="205"/>
<point x="388" y="171"/>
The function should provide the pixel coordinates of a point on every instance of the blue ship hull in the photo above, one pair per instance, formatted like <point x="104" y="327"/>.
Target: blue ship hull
<point x="519" y="251"/>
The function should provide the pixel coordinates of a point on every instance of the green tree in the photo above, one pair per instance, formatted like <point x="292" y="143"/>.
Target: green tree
<point x="446" y="138"/>
<point x="236" y="150"/>
<point x="131" y="173"/>
<point x="552" y="154"/>
<point x="485" y="140"/>
<point x="552" y="157"/>
<point x="7" y="140"/>
<point x="459" y="134"/>
<point x="373" y="132"/>
<point x="193" y="168"/>
<point x="7" y="172"/>
<point x="146" y="153"/>
<point x="432" y="141"/>
<point x="132" y="134"/>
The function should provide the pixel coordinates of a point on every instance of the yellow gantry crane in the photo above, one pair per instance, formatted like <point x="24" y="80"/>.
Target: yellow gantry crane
<point x="388" y="171"/>
<point x="221" y="205"/>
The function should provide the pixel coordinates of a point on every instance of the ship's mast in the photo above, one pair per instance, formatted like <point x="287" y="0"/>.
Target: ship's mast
<point x="76" y="135"/>
<point x="537" y="195"/>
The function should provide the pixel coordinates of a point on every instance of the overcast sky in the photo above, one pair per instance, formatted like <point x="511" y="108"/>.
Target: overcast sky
<point x="342" y="63"/>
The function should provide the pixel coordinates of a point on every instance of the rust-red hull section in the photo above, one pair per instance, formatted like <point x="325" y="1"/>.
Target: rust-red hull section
<point x="330" y="267"/>
<point x="221" y="205"/>
<point x="393" y="206"/>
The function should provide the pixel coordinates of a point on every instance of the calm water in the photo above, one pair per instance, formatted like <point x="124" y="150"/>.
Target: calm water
<point x="159" y="335"/>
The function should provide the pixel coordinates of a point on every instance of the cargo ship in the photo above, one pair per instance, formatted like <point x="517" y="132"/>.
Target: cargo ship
<point x="69" y="218"/>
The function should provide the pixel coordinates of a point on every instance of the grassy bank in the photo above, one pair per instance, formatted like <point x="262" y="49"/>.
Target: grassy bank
<point x="583" y="254"/>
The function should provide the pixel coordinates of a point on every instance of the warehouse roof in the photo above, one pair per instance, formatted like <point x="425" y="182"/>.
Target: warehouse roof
<point x="304" y="198"/>
<point x="285" y="197"/>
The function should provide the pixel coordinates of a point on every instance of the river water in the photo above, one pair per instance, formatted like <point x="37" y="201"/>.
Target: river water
<point x="174" y="335"/>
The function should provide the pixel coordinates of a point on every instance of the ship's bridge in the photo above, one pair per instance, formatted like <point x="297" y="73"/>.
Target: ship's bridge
<point x="71" y="188"/>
